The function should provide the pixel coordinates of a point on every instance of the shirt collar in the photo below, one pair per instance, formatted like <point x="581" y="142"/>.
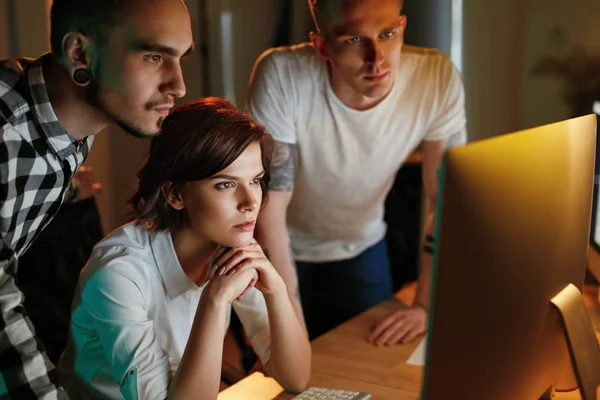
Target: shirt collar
<point x="174" y="278"/>
<point x="60" y="142"/>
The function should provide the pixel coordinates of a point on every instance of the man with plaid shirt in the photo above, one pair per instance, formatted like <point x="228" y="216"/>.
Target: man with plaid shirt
<point x="112" y="62"/>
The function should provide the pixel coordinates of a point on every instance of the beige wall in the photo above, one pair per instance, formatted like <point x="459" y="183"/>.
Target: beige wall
<point x="492" y="57"/>
<point x="252" y="28"/>
<point x="542" y="102"/>
<point x="32" y="19"/>
<point x="502" y="40"/>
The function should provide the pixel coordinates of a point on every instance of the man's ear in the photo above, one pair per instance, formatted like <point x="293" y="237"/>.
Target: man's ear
<point x="403" y="21"/>
<point x="319" y="44"/>
<point x="173" y="195"/>
<point x="78" y="55"/>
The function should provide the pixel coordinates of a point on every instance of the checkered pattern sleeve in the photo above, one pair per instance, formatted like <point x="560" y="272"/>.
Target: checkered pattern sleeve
<point x="26" y="371"/>
<point x="37" y="162"/>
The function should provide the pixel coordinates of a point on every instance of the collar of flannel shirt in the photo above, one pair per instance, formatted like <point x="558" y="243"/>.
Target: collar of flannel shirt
<point x="58" y="139"/>
<point x="25" y="97"/>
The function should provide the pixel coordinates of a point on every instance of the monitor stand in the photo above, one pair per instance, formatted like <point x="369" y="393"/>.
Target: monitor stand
<point x="548" y="394"/>
<point x="593" y="268"/>
<point x="581" y="339"/>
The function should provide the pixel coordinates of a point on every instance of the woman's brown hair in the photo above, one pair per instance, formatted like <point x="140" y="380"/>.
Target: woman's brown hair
<point x="198" y="140"/>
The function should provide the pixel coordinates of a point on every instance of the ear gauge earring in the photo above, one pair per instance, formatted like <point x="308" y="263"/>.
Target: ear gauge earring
<point x="82" y="77"/>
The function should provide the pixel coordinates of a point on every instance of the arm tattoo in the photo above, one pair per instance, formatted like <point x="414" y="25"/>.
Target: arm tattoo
<point x="282" y="167"/>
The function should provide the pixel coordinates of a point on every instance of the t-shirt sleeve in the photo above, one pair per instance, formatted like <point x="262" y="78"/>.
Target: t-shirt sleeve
<point x="449" y="116"/>
<point x="270" y="95"/>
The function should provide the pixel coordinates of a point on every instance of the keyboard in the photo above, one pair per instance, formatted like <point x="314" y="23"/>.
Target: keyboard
<point x="315" y="393"/>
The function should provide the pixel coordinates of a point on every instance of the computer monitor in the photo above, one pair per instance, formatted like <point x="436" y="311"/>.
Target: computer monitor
<point x="512" y="229"/>
<point x="594" y="250"/>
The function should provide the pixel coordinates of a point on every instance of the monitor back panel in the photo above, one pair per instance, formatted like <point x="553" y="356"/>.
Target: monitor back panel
<point x="514" y="223"/>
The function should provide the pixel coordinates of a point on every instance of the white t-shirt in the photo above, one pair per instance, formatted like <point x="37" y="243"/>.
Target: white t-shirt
<point x="347" y="159"/>
<point x="131" y="318"/>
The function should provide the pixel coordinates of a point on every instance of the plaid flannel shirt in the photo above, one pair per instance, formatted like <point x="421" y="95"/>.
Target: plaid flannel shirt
<point x="37" y="162"/>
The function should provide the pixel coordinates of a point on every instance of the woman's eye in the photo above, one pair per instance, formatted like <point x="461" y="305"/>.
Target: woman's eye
<point x="224" y="185"/>
<point x="256" y="181"/>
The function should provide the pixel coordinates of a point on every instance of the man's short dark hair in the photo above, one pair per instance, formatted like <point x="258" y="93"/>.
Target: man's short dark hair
<point x="89" y="17"/>
<point x="325" y="12"/>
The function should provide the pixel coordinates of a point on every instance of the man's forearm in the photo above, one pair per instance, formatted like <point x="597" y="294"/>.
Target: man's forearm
<point x="424" y="281"/>
<point x="284" y="264"/>
<point x="433" y="153"/>
<point x="271" y="229"/>
<point x="278" y="249"/>
<point x="281" y="257"/>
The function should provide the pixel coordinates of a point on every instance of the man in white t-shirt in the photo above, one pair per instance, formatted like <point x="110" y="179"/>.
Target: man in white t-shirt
<point x="346" y="110"/>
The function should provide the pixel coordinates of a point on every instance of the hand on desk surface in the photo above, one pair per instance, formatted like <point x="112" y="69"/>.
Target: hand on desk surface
<point x="401" y="326"/>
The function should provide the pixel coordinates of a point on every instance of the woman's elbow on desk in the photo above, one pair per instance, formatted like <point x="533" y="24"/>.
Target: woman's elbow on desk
<point x="293" y="380"/>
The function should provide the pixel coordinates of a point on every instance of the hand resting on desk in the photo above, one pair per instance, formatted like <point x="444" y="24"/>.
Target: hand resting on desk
<point x="401" y="326"/>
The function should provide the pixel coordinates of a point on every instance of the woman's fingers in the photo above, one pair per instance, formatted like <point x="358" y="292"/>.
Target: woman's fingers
<point x="241" y="281"/>
<point x="250" y="286"/>
<point x="224" y="253"/>
<point x="232" y="258"/>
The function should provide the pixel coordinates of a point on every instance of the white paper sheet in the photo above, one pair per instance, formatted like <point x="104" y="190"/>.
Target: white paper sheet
<point x="418" y="356"/>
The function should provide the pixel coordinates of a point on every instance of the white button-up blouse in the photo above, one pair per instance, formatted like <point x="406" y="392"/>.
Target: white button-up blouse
<point x="131" y="317"/>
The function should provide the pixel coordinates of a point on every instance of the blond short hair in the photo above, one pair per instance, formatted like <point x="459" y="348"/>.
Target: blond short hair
<point x="324" y="12"/>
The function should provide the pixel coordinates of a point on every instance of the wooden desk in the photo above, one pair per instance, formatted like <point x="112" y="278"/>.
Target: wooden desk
<point x="343" y="359"/>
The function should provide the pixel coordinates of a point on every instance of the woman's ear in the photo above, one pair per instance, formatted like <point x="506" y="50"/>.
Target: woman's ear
<point x="173" y="195"/>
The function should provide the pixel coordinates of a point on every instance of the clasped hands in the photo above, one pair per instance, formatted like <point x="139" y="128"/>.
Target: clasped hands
<point x="238" y="269"/>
